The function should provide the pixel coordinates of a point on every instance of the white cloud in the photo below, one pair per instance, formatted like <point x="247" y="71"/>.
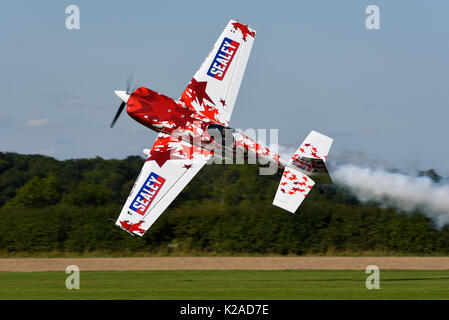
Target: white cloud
<point x="37" y="122"/>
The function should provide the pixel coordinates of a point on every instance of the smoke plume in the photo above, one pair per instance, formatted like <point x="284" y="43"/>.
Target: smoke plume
<point x="399" y="190"/>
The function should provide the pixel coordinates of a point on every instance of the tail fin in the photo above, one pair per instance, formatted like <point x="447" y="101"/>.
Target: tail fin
<point x="305" y="167"/>
<point x="311" y="155"/>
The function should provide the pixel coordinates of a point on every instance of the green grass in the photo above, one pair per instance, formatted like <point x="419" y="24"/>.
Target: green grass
<point x="327" y="284"/>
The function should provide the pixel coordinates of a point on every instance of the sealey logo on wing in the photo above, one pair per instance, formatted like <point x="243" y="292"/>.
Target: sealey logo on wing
<point x="147" y="193"/>
<point x="223" y="58"/>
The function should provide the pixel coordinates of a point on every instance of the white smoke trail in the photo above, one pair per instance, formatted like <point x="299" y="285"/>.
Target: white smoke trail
<point x="405" y="192"/>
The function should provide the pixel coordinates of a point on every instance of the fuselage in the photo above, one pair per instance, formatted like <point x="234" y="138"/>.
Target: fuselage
<point x="163" y="114"/>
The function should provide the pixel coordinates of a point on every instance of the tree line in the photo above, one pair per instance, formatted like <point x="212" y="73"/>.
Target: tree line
<point x="66" y="207"/>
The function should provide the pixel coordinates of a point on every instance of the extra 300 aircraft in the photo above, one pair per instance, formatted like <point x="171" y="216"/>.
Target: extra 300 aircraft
<point x="188" y="128"/>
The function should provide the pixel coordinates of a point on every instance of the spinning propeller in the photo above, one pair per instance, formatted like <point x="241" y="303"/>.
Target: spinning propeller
<point x="124" y="96"/>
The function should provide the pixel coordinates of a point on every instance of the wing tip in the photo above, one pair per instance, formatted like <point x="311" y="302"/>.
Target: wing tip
<point x="283" y="205"/>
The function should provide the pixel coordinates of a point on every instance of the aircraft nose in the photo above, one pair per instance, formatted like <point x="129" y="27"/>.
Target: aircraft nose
<point x="123" y="95"/>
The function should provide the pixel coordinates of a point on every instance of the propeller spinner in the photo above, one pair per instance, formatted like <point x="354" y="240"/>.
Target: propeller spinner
<point x="124" y="96"/>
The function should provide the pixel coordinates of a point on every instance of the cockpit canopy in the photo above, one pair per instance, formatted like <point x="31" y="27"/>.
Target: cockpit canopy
<point x="221" y="134"/>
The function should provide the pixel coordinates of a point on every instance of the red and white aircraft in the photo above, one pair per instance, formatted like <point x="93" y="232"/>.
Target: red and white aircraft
<point x="188" y="130"/>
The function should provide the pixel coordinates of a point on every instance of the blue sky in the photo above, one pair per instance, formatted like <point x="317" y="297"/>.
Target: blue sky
<point x="380" y="93"/>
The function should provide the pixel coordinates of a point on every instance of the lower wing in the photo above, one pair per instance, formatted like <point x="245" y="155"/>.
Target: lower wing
<point x="170" y="166"/>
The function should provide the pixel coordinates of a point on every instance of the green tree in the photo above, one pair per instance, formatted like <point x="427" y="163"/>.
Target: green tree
<point x="89" y="194"/>
<point x="37" y="192"/>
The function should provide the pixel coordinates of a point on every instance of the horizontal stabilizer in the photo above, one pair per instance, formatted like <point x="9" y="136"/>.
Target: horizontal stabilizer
<point x="292" y="190"/>
<point x="305" y="168"/>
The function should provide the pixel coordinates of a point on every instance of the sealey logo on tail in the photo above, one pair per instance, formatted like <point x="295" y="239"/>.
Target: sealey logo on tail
<point x="147" y="193"/>
<point x="223" y="59"/>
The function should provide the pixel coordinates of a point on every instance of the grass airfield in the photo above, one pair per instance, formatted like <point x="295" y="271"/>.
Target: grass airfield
<point x="227" y="284"/>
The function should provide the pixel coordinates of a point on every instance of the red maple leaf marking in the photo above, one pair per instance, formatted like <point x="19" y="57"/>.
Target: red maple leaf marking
<point x="296" y="189"/>
<point x="283" y="190"/>
<point x="254" y="146"/>
<point x="307" y="145"/>
<point x="314" y="149"/>
<point x="301" y="149"/>
<point x="162" y="152"/>
<point x="315" y="155"/>
<point x="223" y="102"/>
<point x="187" y="100"/>
<point x="283" y="183"/>
<point x="291" y="192"/>
<point x="189" y="151"/>
<point x="238" y="142"/>
<point x="244" y="29"/>
<point x="210" y="112"/>
<point x="160" y="155"/>
<point x="310" y="187"/>
<point x="199" y="90"/>
<point x="304" y="178"/>
<point x="293" y="177"/>
<point x="187" y="166"/>
<point x="259" y="148"/>
<point x="286" y="173"/>
<point x="302" y="183"/>
<point x="301" y="190"/>
<point x="132" y="227"/>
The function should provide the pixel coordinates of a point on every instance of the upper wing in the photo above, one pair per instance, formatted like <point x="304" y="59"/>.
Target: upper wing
<point x="213" y="90"/>
<point x="170" y="166"/>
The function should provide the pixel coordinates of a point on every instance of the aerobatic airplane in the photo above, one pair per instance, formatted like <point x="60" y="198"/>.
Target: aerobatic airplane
<point x="187" y="136"/>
